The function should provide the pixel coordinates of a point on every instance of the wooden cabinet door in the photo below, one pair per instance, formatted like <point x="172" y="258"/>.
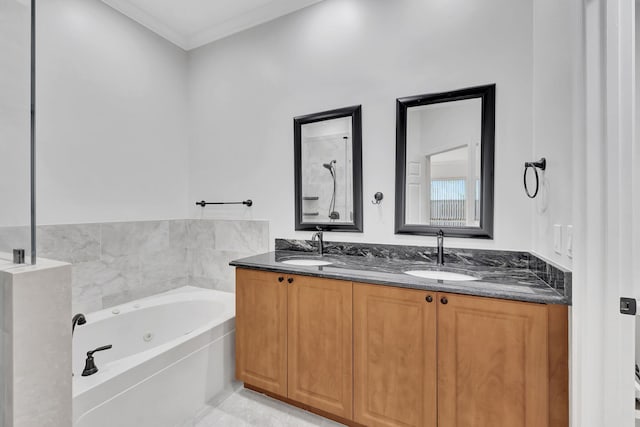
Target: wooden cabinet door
<point x="492" y="363"/>
<point x="320" y="348"/>
<point x="261" y="330"/>
<point x="394" y="356"/>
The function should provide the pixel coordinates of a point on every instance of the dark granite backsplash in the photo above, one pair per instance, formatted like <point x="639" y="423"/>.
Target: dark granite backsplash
<point x="555" y="276"/>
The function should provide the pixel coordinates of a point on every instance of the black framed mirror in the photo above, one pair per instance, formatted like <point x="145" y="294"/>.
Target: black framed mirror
<point x="445" y="163"/>
<point x="328" y="170"/>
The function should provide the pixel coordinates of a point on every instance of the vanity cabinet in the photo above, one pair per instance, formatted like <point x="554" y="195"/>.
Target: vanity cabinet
<point x="384" y="356"/>
<point x="294" y="338"/>
<point x="435" y="359"/>
<point x="320" y="344"/>
<point x="492" y="362"/>
<point x="394" y="356"/>
<point x="261" y="330"/>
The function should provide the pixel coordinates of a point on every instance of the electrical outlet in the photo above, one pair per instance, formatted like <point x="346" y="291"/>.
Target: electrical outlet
<point x="570" y="241"/>
<point x="557" y="238"/>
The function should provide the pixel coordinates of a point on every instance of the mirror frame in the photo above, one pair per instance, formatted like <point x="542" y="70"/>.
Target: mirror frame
<point x="355" y="112"/>
<point x="487" y="95"/>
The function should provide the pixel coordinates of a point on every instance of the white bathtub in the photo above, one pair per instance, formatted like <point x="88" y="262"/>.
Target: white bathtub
<point x="172" y="353"/>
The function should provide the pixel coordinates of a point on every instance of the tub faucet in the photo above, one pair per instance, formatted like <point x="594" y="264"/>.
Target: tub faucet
<point x="90" y="367"/>
<point x="78" y="319"/>
<point x="318" y="236"/>
<point x="440" y="259"/>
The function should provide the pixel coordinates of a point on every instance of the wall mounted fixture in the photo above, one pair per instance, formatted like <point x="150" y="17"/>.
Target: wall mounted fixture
<point x="18" y="256"/>
<point x="540" y="164"/>
<point x="247" y="202"/>
<point x="377" y="198"/>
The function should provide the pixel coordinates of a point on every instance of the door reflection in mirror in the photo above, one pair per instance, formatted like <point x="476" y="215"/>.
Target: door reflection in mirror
<point x="443" y="164"/>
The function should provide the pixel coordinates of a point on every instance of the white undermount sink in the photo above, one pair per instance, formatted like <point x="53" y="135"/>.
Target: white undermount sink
<point x="440" y="275"/>
<point x="306" y="262"/>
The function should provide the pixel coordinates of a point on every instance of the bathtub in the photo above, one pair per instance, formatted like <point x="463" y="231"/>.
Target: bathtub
<point x="172" y="354"/>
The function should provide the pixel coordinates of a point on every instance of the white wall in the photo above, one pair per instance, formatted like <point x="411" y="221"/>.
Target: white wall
<point x="246" y="89"/>
<point x="552" y="123"/>
<point x="113" y="105"/>
<point x="111" y="113"/>
<point x="14" y="113"/>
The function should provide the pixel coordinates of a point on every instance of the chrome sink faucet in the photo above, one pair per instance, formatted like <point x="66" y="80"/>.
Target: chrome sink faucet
<point x="318" y="236"/>
<point x="440" y="259"/>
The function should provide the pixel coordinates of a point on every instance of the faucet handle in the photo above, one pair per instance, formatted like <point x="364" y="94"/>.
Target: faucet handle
<point x="104" y="347"/>
<point x="90" y="367"/>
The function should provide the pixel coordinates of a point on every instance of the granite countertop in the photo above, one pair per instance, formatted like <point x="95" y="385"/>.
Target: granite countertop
<point x="497" y="281"/>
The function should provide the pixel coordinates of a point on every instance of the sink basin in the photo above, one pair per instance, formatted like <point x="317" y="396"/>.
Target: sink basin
<point x="306" y="262"/>
<point x="440" y="275"/>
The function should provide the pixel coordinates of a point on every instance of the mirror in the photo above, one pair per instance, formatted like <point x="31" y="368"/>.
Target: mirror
<point x="328" y="170"/>
<point x="444" y="163"/>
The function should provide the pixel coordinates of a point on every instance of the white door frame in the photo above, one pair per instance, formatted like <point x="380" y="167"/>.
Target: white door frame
<point x="606" y="215"/>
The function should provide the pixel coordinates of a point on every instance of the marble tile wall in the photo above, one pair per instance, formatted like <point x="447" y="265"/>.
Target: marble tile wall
<point x="114" y="263"/>
<point x="476" y="257"/>
<point x="209" y="264"/>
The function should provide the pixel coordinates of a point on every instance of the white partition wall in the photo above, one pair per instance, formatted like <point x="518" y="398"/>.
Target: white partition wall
<point x="36" y="307"/>
<point x="607" y="218"/>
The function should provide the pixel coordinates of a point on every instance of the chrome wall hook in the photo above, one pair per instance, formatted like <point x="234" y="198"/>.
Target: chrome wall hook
<point x="378" y="198"/>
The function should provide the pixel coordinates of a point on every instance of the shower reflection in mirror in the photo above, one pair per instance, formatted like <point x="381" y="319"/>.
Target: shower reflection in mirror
<point x="326" y="158"/>
<point x="328" y="169"/>
<point x="333" y="213"/>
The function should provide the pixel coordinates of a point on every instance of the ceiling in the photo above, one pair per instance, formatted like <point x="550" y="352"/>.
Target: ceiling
<point x="193" y="23"/>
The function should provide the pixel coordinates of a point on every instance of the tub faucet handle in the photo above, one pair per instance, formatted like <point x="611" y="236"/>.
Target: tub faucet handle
<point x="90" y="367"/>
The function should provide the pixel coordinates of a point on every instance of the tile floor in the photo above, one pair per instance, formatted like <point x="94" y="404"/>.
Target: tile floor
<point x="246" y="408"/>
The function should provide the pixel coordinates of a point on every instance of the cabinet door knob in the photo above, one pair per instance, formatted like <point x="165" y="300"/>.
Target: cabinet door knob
<point x="290" y="280"/>
<point x="429" y="298"/>
<point x="280" y="279"/>
<point x="444" y="300"/>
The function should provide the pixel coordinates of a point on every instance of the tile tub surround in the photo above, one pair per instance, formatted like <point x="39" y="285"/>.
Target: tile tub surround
<point x="553" y="275"/>
<point x="113" y="263"/>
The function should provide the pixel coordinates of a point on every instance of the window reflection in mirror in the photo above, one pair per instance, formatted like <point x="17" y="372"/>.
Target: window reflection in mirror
<point x="443" y="164"/>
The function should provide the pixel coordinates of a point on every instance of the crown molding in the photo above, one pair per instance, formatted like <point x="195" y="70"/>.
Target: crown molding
<point x="215" y="32"/>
